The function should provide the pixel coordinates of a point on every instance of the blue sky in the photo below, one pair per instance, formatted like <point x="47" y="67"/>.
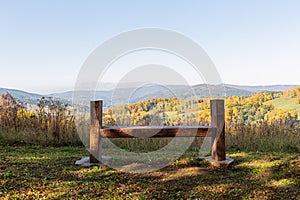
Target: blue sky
<point x="44" y="43"/>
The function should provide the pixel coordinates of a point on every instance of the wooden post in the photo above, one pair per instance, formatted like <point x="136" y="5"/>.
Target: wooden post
<point x="218" y="121"/>
<point x="96" y="124"/>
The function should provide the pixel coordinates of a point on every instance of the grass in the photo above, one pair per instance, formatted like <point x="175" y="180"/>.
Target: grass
<point x="36" y="172"/>
<point x="276" y="137"/>
<point x="286" y="103"/>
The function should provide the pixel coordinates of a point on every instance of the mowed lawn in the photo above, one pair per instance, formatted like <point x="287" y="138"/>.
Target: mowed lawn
<point x="36" y="172"/>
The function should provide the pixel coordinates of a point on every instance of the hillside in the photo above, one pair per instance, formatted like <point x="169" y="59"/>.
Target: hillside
<point x="30" y="98"/>
<point x="122" y="95"/>
<point x="286" y="103"/>
<point x="292" y="93"/>
<point x="132" y="95"/>
<point x="260" y="88"/>
<point x="22" y="96"/>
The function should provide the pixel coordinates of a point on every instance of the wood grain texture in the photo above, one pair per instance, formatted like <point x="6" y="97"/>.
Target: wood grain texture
<point x="218" y="121"/>
<point x="216" y="130"/>
<point x="96" y="124"/>
<point x="157" y="131"/>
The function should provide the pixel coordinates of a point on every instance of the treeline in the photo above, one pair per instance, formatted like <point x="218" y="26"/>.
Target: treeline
<point x="293" y="93"/>
<point x="172" y="111"/>
<point x="50" y="122"/>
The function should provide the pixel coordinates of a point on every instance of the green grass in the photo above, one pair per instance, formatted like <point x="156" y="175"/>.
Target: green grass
<point x="286" y="103"/>
<point x="172" y="115"/>
<point x="36" y="172"/>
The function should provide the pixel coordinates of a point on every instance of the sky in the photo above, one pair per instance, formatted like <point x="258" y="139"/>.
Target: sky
<point x="43" y="44"/>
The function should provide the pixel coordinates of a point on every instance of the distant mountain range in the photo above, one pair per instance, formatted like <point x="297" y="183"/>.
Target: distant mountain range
<point x="22" y="96"/>
<point x="132" y="95"/>
<point x="260" y="88"/>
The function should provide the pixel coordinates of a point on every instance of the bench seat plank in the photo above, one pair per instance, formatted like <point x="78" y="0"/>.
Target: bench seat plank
<point x="156" y="131"/>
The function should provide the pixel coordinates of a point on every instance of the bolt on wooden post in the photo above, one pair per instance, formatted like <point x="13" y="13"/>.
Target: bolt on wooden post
<point x="218" y="121"/>
<point x="95" y="137"/>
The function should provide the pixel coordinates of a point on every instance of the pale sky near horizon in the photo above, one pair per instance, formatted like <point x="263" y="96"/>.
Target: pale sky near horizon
<point x="43" y="44"/>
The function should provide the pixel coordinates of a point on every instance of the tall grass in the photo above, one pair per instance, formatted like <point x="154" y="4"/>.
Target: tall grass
<point x="264" y="137"/>
<point x="52" y="123"/>
<point x="49" y="123"/>
<point x="275" y="136"/>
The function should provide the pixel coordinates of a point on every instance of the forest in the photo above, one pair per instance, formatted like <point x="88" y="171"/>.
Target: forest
<point x="254" y="109"/>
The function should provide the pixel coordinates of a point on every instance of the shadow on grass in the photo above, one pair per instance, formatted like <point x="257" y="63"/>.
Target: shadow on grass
<point x="33" y="172"/>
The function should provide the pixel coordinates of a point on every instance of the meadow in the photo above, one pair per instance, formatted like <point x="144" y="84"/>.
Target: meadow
<point x="286" y="103"/>
<point x="38" y="149"/>
<point x="36" y="172"/>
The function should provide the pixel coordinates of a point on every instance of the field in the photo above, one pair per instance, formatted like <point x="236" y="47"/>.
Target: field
<point x="37" y="172"/>
<point x="286" y="103"/>
<point x="265" y="150"/>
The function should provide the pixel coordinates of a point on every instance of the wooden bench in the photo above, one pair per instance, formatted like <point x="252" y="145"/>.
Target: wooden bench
<point x="216" y="131"/>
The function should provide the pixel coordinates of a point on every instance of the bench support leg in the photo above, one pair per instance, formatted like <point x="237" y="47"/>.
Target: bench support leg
<point x="218" y="121"/>
<point x="218" y="152"/>
<point x="95" y="137"/>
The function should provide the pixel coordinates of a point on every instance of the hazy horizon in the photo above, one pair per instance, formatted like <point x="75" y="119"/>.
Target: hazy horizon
<point x="110" y="86"/>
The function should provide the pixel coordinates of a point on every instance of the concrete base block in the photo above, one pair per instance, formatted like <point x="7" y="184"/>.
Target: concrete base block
<point x="223" y="163"/>
<point x="85" y="161"/>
